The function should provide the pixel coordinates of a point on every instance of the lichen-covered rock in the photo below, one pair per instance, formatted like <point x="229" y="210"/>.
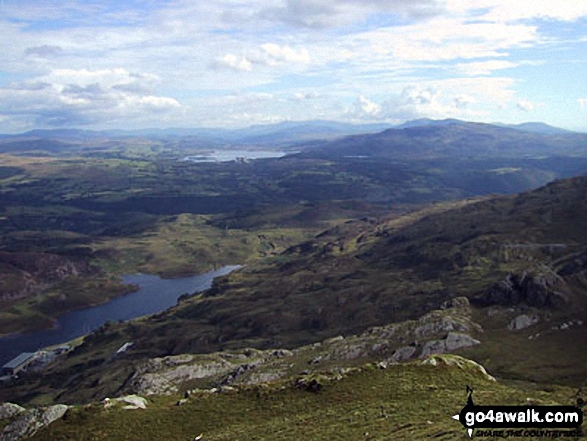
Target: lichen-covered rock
<point x="8" y="410"/>
<point x="29" y="422"/>
<point x="523" y="321"/>
<point x="403" y="354"/>
<point x="452" y="342"/>
<point x="458" y="361"/>
<point x="265" y="377"/>
<point x="133" y="402"/>
<point x="165" y="375"/>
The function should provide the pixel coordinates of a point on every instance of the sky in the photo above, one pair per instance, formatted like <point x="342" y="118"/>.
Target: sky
<point x="111" y="64"/>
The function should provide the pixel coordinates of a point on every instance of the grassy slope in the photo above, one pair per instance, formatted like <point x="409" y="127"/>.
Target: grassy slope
<point x="362" y="275"/>
<point x="402" y="402"/>
<point x="365" y="273"/>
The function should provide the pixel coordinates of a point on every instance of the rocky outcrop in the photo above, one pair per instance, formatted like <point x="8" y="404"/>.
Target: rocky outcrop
<point x="403" y="354"/>
<point x="452" y="342"/>
<point x="29" y="422"/>
<point x="539" y="288"/>
<point x="9" y="410"/>
<point x="459" y="362"/>
<point x="439" y="331"/>
<point x="164" y="375"/>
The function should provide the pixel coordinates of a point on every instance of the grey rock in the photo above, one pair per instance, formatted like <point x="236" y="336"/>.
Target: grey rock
<point x="8" y="410"/>
<point x="31" y="421"/>
<point x="452" y="342"/>
<point x="280" y="353"/>
<point x="403" y="354"/>
<point x="456" y="340"/>
<point x="456" y="302"/>
<point x="523" y="321"/>
<point x="315" y="360"/>
<point x="538" y="289"/>
<point x="459" y="362"/>
<point x="431" y="325"/>
<point x="133" y="402"/>
<point x="265" y="377"/>
<point x="165" y="375"/>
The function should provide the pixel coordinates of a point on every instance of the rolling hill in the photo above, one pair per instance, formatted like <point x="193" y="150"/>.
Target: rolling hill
<point x="519" y="260"/>
<point x="454" y="139"/>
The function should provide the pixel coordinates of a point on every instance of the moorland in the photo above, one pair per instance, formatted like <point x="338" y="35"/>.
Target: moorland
<point x="380" y="247"/>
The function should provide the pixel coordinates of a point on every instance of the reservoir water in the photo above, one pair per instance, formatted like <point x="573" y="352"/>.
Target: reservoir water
<point x="233" y="155"/>
<point x="155" y="295"/>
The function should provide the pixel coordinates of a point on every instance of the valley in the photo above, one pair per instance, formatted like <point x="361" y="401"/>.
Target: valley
<point x="368" y="261"/>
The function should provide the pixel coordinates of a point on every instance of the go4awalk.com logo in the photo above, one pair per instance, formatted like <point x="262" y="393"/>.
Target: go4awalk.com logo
<point x="530" y="420"/>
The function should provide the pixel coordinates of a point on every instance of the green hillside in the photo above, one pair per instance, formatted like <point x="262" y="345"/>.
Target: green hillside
<point x="520" y="260"/>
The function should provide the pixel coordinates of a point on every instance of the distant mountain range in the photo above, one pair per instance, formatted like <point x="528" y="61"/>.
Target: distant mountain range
<point x="428" y="139"/>
<point x="532" y="127"/>
<point x="284" y="133"/>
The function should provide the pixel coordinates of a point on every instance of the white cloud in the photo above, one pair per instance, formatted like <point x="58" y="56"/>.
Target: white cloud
<point x="321" y="14"/>
<point x="366" y="109"/>
<point x="465" y="98"/>
<point x="525" y="106"/>
<point x="274" y="54"/>
<point x="512" y="11"/>
<point x="44" y="51"/>
<point x="78" y="97"/>
<point x="231" y="61"/>
<point x="268" y="54"/>
<point x="400" y="57"/>
<point x="305" y="96"/>
<point x="485" y="67"/>
<point x="446" y="39"/>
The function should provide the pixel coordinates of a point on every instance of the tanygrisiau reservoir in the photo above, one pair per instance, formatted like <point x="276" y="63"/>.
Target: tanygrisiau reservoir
<point x="155" y="295"/>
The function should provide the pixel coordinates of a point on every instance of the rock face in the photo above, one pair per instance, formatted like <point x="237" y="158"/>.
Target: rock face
<point x="540" y="289"/>
<point x="523" y="321"/>
<point x="437" y="332"/>
<point x="29" y="422"/>
<point x="452" y="342"/>
<point x="163" y="375"/>
<point x="403" y="354"/>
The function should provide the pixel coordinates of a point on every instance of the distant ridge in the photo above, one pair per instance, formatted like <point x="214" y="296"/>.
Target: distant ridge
<point x="450" y="138"/>
<point x="287" y="132"/>
<point x="538" y="127"/>
<point x="284" y="133"/>
<point x="531" y="127"/>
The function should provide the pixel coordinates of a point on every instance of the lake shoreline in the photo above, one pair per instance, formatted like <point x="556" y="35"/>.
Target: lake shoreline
<point x="153" y="296"/>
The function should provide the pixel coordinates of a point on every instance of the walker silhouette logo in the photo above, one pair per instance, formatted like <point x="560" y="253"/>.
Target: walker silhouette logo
<point x="474" y="417"/>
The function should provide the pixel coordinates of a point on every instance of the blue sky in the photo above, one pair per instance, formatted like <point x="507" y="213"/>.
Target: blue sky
<point x="232" y="63"/>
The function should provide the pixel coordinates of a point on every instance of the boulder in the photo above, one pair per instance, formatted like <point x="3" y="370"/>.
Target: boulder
<point x="8" y="410"/>
<point x="29" y="422"/>
<point x="456" y="302"/>
<point x="133" y="402"/>
<point x="403" y="354"/>
<point x="452" y="342"/>
<point x="523" y="321"/>
<point x="457" y="361"/>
